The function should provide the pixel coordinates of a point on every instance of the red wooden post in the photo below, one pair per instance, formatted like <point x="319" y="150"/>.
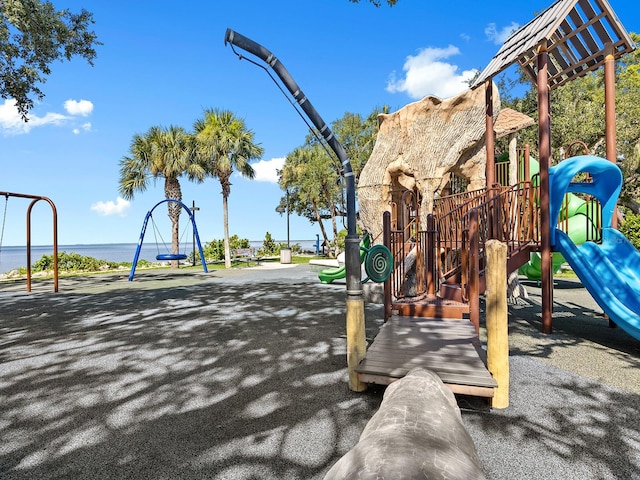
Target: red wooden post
<point x="490" y="169"/>
<point x="386" y="240"/>
<point x="610" y="120"/>
<point x="610" y="111"/>
<point x="544" y="135"/>
<point x="474" y="270"/>
<point x="527" y="165"/>
<point x="431" y="254"/>
<point x="464" y="266"/>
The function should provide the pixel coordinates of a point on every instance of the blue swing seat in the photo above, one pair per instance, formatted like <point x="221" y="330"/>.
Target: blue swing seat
<point x="171" y="256"/>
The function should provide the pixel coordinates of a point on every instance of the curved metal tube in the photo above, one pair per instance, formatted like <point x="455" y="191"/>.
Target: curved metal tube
<point x="35" y="199"/>
<point x="352" y="243"/>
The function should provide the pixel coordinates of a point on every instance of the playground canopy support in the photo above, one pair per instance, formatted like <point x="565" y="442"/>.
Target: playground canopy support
<point x="566" y="41"/>
<point x="169" y="256"/>
<point x="35" y="199"/>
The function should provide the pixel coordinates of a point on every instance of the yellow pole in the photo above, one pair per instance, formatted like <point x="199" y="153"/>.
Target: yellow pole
<point x="356" y="341"/>
<point x="497" y="321"/>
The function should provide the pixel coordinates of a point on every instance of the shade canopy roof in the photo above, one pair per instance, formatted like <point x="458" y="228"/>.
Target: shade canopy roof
<point x="577" y="35"/>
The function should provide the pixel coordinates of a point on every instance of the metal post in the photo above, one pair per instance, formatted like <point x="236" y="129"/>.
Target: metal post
<point x="193" y="235"/>
<point x="288" y="243"/>
<point x="281" y="210"/>
<point x="35" y="199"/>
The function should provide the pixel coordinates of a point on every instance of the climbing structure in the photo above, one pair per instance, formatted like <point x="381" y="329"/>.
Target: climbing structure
<point x="438" y="240"/>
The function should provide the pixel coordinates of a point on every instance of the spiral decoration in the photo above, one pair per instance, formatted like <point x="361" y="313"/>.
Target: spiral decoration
<point x="378" y="263"/>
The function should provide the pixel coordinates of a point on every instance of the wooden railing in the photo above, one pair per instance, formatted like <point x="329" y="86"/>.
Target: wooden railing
<point x="509" y="215"/>
<point x="406" y="254"/>
<point x="451" y="248"/>
<point x="442" y="205"/>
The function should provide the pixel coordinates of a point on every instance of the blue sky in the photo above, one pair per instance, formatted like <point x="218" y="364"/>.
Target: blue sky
<point x="162" y="63"/>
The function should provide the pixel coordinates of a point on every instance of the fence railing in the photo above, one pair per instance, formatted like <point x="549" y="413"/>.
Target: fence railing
<point x="442" y="205"/>
<point x="444" y="252"/>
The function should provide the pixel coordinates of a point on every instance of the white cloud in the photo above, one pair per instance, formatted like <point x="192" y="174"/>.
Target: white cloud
<point x="427" y="74"/>
<point x="12" y="123"/>
<point x="82" y="107"/>
<point x="266" y="170"/>
<point x="86" y="127"/>
<point x="500" y="36"/>
<point x="111" y="208"/>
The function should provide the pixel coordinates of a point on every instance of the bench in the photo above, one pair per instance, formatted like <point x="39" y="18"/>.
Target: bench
<point x="245" y="255"/>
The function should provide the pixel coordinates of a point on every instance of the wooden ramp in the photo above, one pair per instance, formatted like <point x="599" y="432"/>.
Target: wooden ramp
<point x="449" y="347"/>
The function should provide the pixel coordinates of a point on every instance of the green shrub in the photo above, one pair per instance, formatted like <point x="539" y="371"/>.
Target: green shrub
<point x="73" y="262"/>
<point x="214" y="250"/>
<point x="342" y="236"/>
<point x="269" y="246"/>
<point x="631" y="228"/>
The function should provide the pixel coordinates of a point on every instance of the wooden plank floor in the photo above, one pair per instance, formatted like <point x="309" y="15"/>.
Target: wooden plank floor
<point x="449" y="347"/>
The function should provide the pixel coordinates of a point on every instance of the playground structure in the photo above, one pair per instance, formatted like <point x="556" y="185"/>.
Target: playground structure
<point x="171" y="256"/>
<point x="376" y="259"/>
<point x="569" y="39"/>
<point x="328" y="275"/>
<point x="579" y="218"/>
<point x="609" y="270"/>
<point x="440" y="267"/>
<point x="34" y="199"/>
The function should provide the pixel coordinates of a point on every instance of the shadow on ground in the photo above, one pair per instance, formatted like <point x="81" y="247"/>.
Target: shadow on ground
<point x="574" y="407"/>
<point x="579" y="328"/>
<point x="558" y="426"/>
<point x="208" y="380"/>
<point x="237" y="375"/>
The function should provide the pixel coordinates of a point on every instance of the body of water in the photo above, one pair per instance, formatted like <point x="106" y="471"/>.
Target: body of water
<point x="12" y="257"/>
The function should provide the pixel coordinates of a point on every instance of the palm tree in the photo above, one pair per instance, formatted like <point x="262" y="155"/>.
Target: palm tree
<point x="161" y="153"/>
<point x="224" y="144"/>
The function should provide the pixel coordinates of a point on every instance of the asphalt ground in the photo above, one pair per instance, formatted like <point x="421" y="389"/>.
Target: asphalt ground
<point x="241" y="374"/>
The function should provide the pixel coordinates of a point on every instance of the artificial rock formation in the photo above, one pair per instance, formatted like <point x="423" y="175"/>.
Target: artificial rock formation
<point x="419" y="146"/>
<point x="416" y="433"/>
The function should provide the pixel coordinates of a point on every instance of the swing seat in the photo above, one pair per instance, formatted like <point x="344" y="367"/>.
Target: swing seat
<point x="171" y="256"/>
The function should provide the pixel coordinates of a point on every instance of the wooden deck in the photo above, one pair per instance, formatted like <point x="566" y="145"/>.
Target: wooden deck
<point x="449" y="347"/>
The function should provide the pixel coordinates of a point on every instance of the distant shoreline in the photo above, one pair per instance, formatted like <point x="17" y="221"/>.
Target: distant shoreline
<point x="14" y="257"/>
<point x="147" y="244"/>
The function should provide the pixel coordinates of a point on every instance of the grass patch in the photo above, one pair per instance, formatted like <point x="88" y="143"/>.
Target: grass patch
<point x="125" y="267"/>
<point x="565" y="272"/>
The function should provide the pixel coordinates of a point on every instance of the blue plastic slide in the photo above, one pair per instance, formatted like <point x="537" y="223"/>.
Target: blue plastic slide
<point x="609" y="271"/>
<point x="579" y="226"/>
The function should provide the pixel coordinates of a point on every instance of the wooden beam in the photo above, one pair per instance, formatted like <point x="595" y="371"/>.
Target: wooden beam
<point x="610" y="112"/>
<point x="497" y="321"/>
<point x="544" y="148"/>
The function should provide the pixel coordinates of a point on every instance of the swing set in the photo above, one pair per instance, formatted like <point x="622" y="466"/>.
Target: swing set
<point x="168" y="256"/>
<point x="34" y="199"/>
